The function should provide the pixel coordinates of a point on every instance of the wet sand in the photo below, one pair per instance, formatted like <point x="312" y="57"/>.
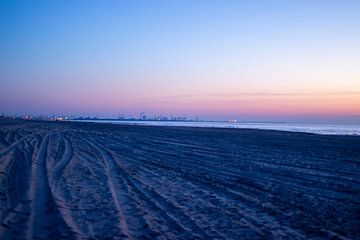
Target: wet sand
<point x="62" y="180"/>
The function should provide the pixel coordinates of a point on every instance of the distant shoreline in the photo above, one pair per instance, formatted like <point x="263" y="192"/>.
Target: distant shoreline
<point x="160" y="120"/>
<point x="316" y="128"/>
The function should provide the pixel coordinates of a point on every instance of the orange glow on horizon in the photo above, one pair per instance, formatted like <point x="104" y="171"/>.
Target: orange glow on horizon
<point x="284" y="105"/>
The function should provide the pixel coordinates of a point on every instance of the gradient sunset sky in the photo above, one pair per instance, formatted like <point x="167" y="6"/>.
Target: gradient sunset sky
<point x="246" y="60"/>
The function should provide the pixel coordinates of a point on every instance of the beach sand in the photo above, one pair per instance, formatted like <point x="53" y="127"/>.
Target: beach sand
<point x="64" y="180"/>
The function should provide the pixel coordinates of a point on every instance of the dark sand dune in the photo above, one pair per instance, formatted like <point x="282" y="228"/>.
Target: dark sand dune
<point x="102" y="181"/>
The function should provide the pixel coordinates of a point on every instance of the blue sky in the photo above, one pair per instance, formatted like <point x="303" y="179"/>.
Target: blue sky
<point x="254" y="60"/>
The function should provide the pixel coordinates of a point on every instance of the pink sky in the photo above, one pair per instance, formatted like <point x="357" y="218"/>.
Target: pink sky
<point x="221" y="60"/>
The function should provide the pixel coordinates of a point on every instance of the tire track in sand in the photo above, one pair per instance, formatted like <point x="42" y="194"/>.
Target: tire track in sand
<point x="14" y="145"/>
<point x="54" y="178"/>
<point x="123" y="225"/>
<point x="154" y="203"/>
<point x="132" y="224"/>
<point x="44" y="221"/>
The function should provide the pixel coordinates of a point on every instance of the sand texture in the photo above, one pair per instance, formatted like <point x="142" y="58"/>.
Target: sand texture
<point x="103" y="181"/>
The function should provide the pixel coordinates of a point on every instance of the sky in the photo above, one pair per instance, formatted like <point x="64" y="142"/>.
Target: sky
<point x="245" y="60"/>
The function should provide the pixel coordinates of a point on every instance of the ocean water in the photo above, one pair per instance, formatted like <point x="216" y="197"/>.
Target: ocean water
<point x="319" y="128"/>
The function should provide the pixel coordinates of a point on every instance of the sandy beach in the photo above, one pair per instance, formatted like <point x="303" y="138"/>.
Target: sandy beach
<point x="63" y="180"/>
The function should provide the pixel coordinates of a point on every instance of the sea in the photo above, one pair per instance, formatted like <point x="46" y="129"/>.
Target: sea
<point x="318" y="128"/>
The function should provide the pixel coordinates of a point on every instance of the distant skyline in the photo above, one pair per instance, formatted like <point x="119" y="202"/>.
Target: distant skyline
<point x="246" y="60"/>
